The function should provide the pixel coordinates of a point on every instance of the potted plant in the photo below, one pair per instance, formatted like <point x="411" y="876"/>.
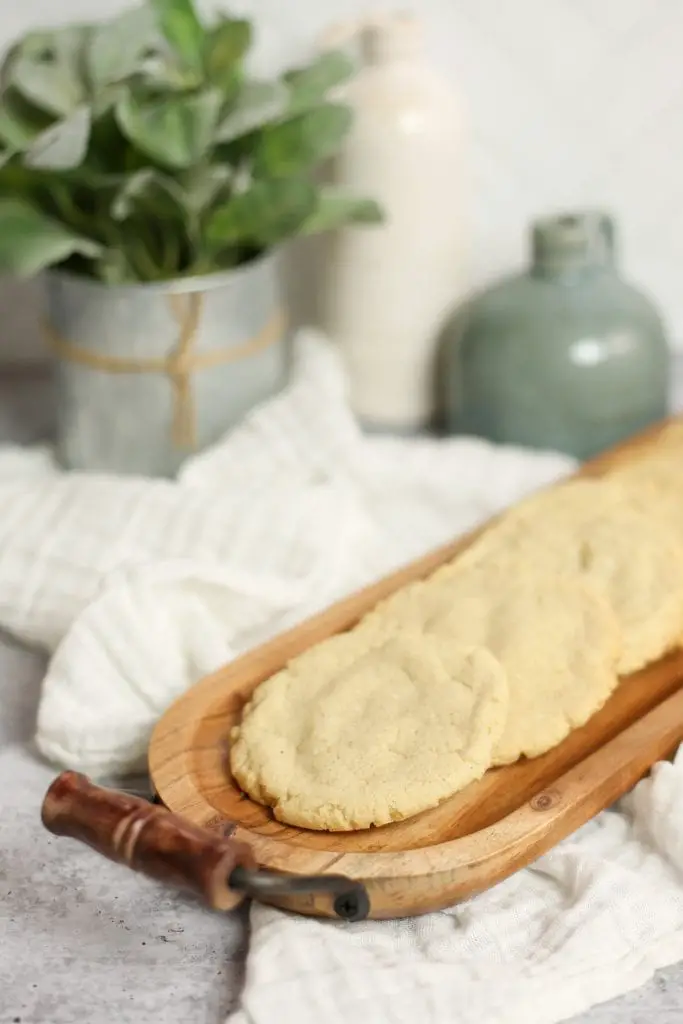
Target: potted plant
<point x="155" y="180"/>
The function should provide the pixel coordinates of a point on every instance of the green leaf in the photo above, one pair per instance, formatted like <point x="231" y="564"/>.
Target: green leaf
<point x="182" y="29"/>
<point x="47" y="68"/>
<point x="203" y="186"/>
<point x="62" y="146"/>
<point x="20" y="123"/>
<point x="265" y="214"/>
<point x="146" y="190"/>
<point x="176" y="131"/>
<point x="158" y="73"/>
<point x="335" y="209"/>
<point x="309" y="86"/>
<point x="295" y="146"/>
<point x="116" y="47"/>
<point x="30" y="242"/>
<point x="257" y="105"/>
<point x="14" y="132"/>
<point x="153" y="189"/>
<point x="226" y="44"/>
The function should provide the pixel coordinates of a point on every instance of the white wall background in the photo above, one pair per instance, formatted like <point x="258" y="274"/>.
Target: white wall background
<point x="570" y="103"/>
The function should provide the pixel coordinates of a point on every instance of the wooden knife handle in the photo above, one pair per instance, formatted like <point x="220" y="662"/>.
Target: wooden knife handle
<point x="146" y="838"/>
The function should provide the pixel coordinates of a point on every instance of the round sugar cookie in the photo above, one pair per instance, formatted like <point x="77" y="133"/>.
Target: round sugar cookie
<point x="571" y="502"/>
<point x="357" y="732"/>
<point x="555" y="635"/>
<point x="596" y="529"/>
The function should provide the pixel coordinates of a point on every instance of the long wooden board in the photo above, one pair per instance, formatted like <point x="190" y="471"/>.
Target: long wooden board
<point x="469" y="842"/>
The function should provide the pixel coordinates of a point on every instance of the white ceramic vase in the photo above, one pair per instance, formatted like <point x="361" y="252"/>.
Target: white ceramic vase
<point x="387" y="289"/>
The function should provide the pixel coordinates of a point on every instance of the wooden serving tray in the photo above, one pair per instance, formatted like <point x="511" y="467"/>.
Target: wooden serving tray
<point x="466" y="844"/>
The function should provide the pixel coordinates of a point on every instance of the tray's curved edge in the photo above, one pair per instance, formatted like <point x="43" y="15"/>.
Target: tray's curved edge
<point x="432" y="877"/>
<point x="418" y="880"/>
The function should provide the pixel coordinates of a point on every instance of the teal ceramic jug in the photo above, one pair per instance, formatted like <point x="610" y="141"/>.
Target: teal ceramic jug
<point x="565" y="356"/>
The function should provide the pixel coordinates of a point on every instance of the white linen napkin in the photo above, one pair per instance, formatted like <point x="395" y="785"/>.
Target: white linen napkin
<point x="140" y="587"/>
<point x="590" y="920"/>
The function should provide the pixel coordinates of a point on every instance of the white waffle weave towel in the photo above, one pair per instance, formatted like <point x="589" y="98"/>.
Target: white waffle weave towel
<point x="142" y="586"/>
<point x="139" y="587"/>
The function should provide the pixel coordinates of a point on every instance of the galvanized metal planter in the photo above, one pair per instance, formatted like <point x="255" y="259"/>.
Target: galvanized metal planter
<point x="148" y="374"/>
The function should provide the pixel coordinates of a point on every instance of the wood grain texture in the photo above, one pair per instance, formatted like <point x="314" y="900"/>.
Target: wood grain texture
<point x="472" y="840"/>
<point x="149" y="839"/>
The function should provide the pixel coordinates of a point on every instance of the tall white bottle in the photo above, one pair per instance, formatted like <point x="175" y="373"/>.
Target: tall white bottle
<point x="387" y="289"/>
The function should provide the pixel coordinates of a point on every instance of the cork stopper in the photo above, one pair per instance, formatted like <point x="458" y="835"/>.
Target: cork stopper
<point x="572" y="241"/>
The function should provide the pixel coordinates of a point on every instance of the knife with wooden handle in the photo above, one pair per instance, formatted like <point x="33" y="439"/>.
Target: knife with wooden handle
<point x="150" y="839"/>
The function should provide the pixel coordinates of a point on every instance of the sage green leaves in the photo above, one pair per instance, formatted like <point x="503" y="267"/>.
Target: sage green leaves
<point x="263" y="214"/>
<point x="270" y="211"/>
<point x="140" y="148"/>
<point x="176" y="131"/>
<point x="29" y="241"/>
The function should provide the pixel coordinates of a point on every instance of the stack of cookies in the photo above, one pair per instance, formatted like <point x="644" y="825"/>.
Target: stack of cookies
<point x="498" y="655"/>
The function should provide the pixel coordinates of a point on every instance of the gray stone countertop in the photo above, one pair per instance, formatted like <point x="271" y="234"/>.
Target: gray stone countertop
<point x="83" y="941"/>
